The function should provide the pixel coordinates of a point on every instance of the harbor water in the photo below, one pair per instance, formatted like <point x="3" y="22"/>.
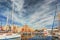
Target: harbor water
<point x="34" y="38"/>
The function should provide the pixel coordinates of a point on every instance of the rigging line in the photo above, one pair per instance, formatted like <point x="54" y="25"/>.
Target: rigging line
<point x="54" y="16"/>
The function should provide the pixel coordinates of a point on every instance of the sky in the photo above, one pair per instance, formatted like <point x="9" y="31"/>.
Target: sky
<point x="34" y="13"/>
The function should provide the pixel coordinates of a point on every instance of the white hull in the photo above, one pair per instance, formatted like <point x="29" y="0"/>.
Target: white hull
<point x="4" y="36"/>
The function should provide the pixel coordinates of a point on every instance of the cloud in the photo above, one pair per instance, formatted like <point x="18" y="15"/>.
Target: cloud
<point x="35" y="13"/>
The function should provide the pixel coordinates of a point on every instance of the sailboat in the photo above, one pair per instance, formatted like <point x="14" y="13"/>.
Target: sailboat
<point x="8" y="34"/>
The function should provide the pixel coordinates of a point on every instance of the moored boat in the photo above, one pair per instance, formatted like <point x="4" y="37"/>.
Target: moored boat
<point x="13" y="36"/>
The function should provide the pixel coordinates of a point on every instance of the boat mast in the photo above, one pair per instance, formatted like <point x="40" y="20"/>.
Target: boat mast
<point x="1" y="26"/>
<point x="54" y="16"/>
<point x="12" y="11"/>
<point x="7" y="20"/>
<point x="59" y="21"/>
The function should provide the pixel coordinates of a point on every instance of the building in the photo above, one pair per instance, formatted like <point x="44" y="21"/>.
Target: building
<point x="14" y="28"/>
<point x="26" y="32"/>
<point x="7" y="28"/>
<point x="26" y="28"/>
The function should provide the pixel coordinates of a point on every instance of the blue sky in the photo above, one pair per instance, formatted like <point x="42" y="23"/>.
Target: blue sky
<point x="35" y="13"/>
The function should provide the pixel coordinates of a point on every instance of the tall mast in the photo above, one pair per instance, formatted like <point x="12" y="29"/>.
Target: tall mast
<point x="1" y="25"/>
<point x="7" y="20"/>
<point x="54" y="16"/>
<point x="59" y="21"/>
<point x="12" y="11"/>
